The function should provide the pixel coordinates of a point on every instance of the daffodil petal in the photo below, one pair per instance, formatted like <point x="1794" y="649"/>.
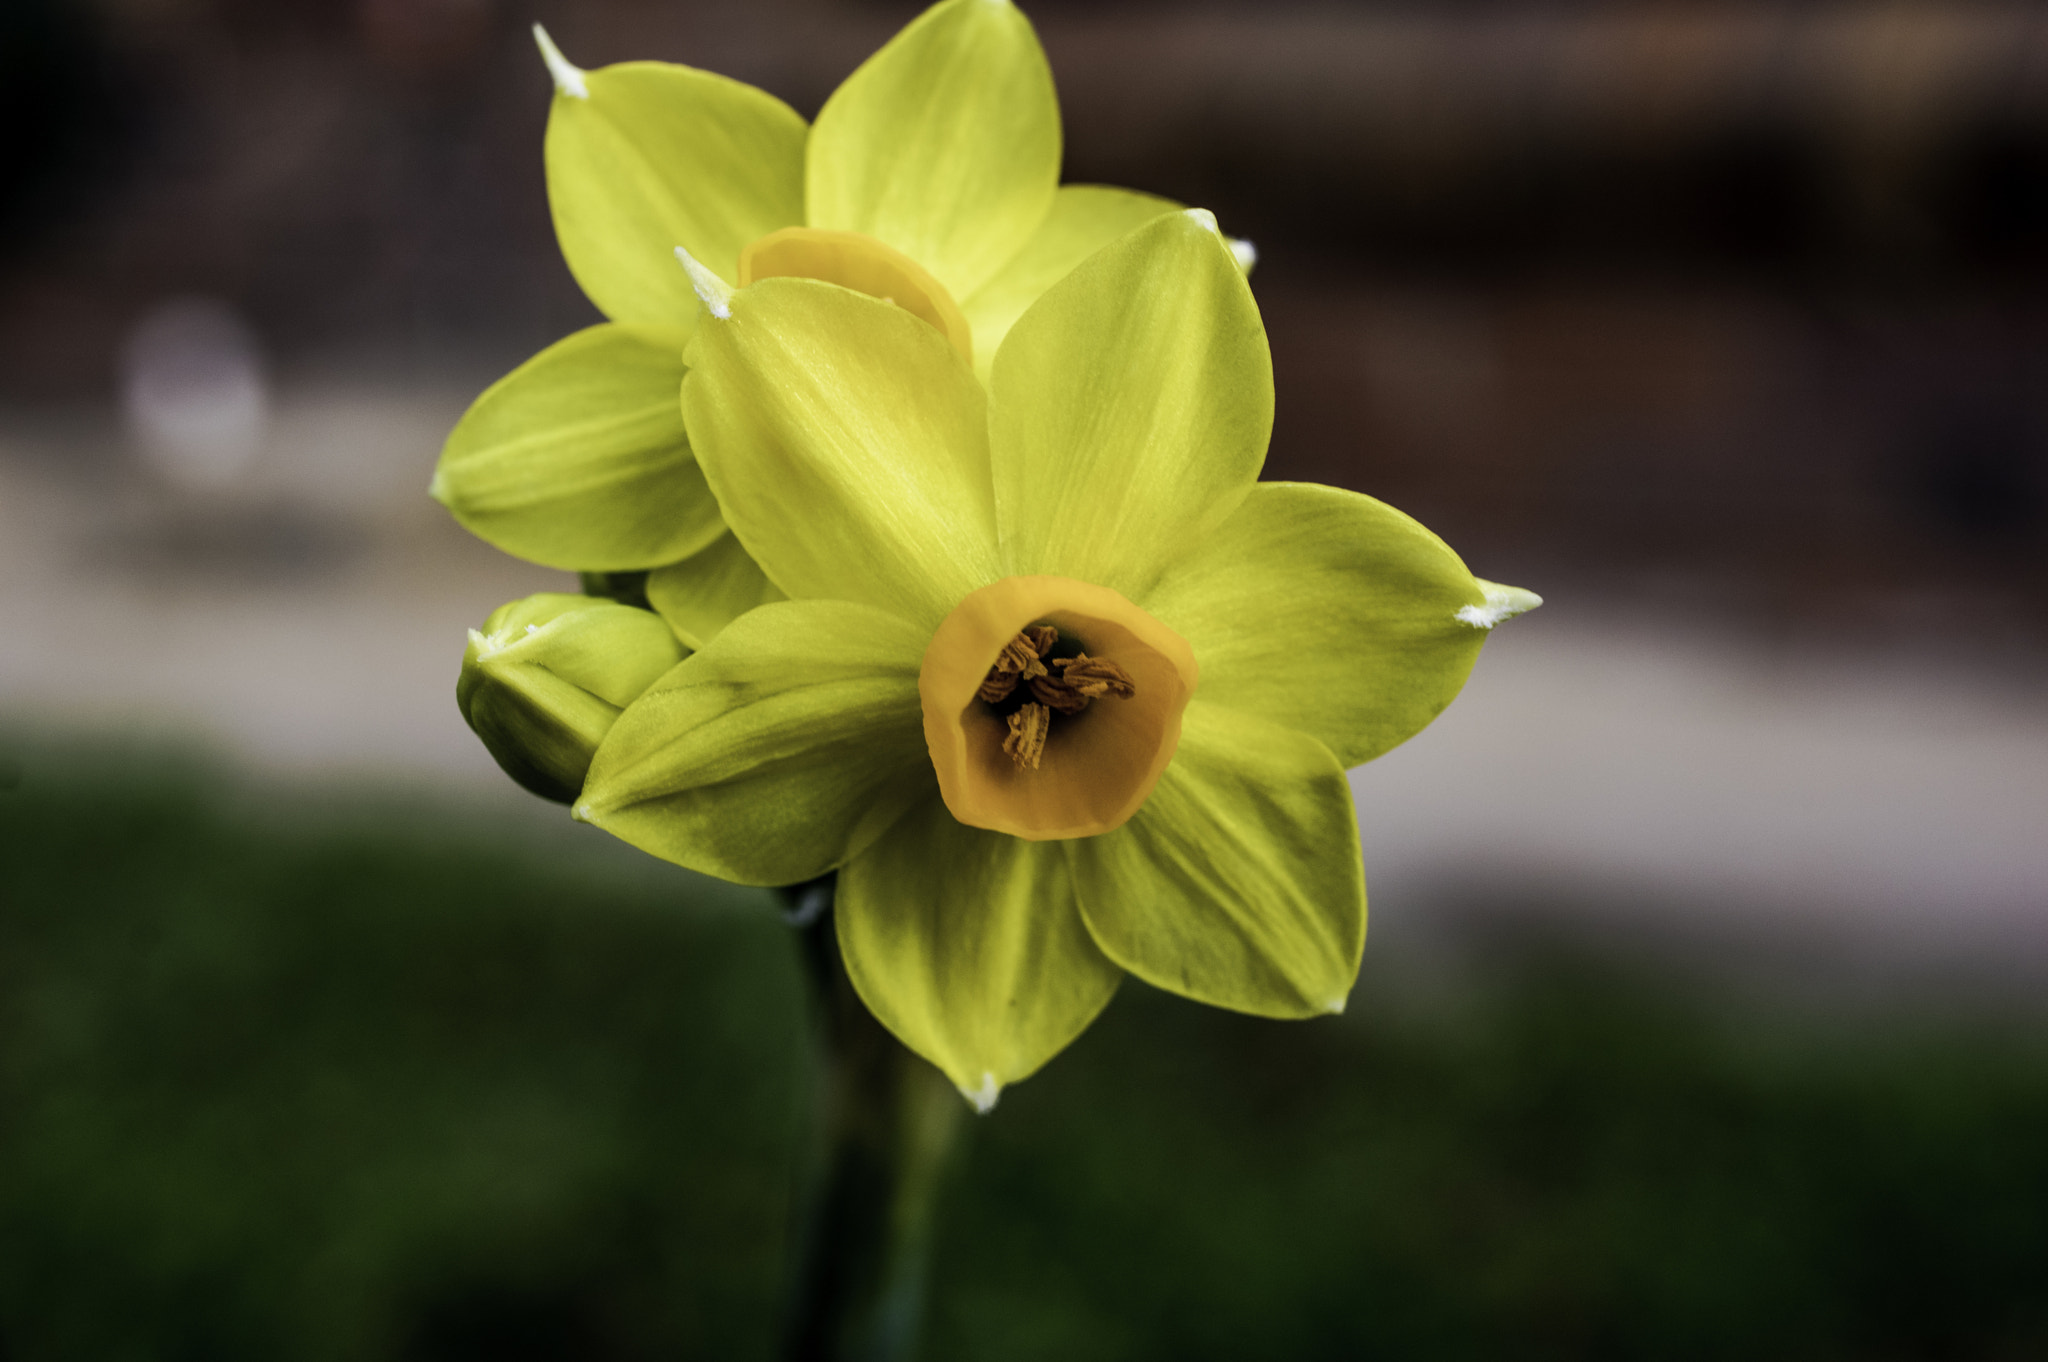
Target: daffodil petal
<point x="1328" y="612"/>
<point x="653" y="156"/>
<point x="709" y="590"/>
<point x="1238" y="884"/>
<point x="577" y="459"/>
<point x="847" y="443"/>
<point x="1129" y="408"/>
<point x="1084" y="219"/>
<point x="968" y="946"/>
<point x="790" y="743"/>
<point x="945" y="144"/>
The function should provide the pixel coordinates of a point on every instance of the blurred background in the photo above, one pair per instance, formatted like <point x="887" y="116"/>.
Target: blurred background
<point x="1702" y="1012"/>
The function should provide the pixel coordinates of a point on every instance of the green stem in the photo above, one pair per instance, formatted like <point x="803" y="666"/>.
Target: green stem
<point x="887" y="1122"/>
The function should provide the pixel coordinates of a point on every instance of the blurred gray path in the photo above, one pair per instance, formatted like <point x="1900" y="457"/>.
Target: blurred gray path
<point x="1872" y="804"/>
<point x="310" y="623"/>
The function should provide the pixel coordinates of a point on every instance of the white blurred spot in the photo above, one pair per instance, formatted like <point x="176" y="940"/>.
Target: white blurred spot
<point x="194" y="392"/>
<point x="1246" y="253"/>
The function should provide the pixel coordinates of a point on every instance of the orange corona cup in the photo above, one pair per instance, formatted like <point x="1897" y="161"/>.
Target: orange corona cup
<point x="1097" y="766"/>
<point x="863" y="264"/>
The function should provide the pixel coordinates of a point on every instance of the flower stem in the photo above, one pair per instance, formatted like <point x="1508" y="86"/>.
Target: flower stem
<point x="887" y="1122"/>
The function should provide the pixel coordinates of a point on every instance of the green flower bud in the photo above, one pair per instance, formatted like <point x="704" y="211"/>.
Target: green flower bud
<point x="545" y="678"/>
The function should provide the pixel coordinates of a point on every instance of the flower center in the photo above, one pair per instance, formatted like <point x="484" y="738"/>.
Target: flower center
<point x="1030" y="682"/>
<point x="1009" y="688"/>
<point x="859" y="262"/>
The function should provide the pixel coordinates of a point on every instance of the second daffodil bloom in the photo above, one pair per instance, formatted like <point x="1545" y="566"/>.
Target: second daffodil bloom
<point x="1060" y="689"/>
<point x="931" y="178"/>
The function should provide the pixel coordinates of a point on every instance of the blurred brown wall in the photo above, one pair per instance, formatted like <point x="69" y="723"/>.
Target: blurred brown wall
<point x="1747" y="296"/>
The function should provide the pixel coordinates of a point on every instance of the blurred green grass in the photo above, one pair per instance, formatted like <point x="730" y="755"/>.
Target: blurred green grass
<point x="351" y="1078"/>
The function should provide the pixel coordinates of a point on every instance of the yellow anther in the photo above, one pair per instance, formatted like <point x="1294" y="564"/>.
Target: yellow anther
<point x="1019" y="661"/>
<point x="1080" y="680"/>
<point x="1096" y="677"/>
<point x="1021" y="655"/>
<point x="1028" y="729"/>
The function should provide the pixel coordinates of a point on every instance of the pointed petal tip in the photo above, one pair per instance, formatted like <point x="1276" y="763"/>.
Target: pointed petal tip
<point x="983" y="1098"/>
<point x="583" y="813"/>
<point x="568" y="78"/>
<point x="716" y="293"/>
<point x="1335" y="1007"/>
<point x="1205" y="219"/>
<point x="1246" y="254"/>
<point x="1502" y="602"/>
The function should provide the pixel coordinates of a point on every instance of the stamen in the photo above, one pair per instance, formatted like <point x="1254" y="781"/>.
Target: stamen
<point x="1026" y="660"/>
<point x="1028" y="729"/>
<point x="1019" y="661"/>
<point x="1096" y="677"/>
<point x="1021" y="655"/>
<point x="1082" y="679"/>
<point x="1057" y="695"/>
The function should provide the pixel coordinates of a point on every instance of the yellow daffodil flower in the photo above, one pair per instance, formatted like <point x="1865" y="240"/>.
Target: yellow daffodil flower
<point x="930" y="178"/>
<point x="1059" y="689"/>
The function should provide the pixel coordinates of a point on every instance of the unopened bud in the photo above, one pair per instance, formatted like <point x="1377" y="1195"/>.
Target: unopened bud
<point x="545" y="678"/>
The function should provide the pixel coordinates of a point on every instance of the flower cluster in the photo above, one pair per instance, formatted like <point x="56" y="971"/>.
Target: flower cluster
<point x="958" y="521"/>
